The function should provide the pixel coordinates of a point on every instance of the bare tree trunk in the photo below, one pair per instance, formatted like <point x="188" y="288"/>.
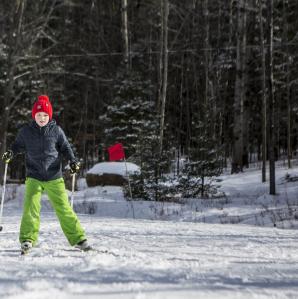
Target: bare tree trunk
<point x="165" y="72"/>
<point x="179" y="141"/>
<point x="289" y="118"/>
<point x="230" y="21"/>
<point x="206" y="52"/>
<point x="227" y="138"/>
<point x="160" y="60"/>
<point x="238" y="130"/>
<point x="287" y="70"/>
<point x="209" y="103"/>
<point x="150" y="65"/>
<point x="188" y="116"/>
<point x="271" y="125"/>
<point x="244" y="80"/>
<point x="94" y="127"/>
<point x="125" y="34"/>
<point x="264" y="97"/>
<point x="85" y="149"/>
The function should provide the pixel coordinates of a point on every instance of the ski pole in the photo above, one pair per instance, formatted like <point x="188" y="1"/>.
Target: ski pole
<point x="72" y="189"/>
<point x="3" y="195"/>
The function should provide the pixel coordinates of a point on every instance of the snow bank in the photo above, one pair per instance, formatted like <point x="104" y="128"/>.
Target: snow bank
<point x="115" y="168"/>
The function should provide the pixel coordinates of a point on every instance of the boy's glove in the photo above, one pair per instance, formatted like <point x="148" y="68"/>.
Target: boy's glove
<point x="7" y="156"/>
<point x="74" y="167"/>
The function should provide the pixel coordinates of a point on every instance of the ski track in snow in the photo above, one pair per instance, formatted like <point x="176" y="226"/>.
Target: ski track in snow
<point x="150" y="259"/>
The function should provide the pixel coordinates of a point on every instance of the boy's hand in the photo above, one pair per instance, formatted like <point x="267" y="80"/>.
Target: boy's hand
<point x="7" y="156"/>
<point x="74" y="167"/>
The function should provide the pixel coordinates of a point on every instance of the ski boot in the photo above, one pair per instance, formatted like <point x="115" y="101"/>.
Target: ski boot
<point x="83" y="245"/>
<point x="25" y="247"/>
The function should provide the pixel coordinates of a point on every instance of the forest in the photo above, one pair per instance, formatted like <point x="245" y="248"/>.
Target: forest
<point x="189" y="87"/>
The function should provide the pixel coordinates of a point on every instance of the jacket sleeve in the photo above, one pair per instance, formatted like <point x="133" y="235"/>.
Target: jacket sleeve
<point x="65" y="147"/>
<point x="18" y="145"/>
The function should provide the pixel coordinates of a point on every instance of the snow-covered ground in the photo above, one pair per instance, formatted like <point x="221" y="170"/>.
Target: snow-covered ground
<point x="220" y="248"/>
<point x="152" y="259"/>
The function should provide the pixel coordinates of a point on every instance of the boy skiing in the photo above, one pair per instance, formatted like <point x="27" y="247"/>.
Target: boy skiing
<point x="43" y="143"/>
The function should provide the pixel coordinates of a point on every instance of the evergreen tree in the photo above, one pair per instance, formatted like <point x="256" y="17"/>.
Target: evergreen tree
<point x="130" y="115"/>
<point x="197" y="177"/>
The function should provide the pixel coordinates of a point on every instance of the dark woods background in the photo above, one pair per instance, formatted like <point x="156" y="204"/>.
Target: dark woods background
<point x="212" y="81"/>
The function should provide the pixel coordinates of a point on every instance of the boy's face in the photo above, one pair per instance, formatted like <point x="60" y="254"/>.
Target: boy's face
<point x="42" y="118"/>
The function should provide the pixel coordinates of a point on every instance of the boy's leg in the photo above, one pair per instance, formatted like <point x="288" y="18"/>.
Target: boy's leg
<point x="69" y="221"/>
<point x="31" y="212"/>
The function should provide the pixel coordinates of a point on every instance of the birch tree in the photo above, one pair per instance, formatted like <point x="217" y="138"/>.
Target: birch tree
<point x="271" y="98"/>
<point x="165" y="15"/>
<point x="287" y="71"/>
<point x="264" y="97"/>
<point x="125" y="34"/>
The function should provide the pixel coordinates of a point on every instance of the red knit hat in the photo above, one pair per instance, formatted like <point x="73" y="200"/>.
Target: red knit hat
<point x="43" y="104"/>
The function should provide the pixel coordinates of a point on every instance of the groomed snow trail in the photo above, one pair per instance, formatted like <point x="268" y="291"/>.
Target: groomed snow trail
<point x="151" y="259"/>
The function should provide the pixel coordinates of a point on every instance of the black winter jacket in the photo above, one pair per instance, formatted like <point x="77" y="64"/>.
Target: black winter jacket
<point x="43" y="148"/>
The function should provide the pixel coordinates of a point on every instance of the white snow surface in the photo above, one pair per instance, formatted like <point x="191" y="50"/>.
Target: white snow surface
<point x="219" y="248"/>
<point x="115" y="168"/>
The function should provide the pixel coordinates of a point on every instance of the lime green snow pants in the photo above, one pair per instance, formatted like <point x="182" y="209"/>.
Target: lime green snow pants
<point x="59" y="200"/>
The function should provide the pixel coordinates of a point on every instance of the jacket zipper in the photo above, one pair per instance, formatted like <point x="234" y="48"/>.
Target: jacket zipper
<point x="42" y="151"/>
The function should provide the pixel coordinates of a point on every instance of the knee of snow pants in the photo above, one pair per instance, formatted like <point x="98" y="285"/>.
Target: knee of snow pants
<point x="59" y="200"/>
